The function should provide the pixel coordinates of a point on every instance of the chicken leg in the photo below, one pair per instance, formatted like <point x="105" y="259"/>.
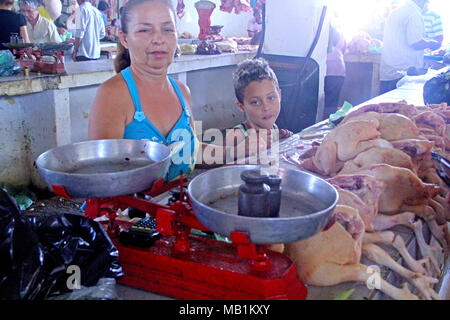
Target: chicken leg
<point x="425" y="249"/>
<point x="422" y="283"/>
<point x="330" y="274"/>
<point x="391" y="239"/>
<point x="384" y="221"/>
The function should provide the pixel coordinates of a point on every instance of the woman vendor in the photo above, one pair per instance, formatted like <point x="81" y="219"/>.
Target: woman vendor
<point x="142" y="101"/>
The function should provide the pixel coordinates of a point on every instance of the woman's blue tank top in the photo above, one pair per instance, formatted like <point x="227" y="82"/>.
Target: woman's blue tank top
<point x="142" y="128"/>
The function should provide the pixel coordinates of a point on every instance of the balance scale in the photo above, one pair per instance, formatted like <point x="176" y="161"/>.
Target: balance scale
<point x="180" y="264"/>
<point x="186" y="266"/>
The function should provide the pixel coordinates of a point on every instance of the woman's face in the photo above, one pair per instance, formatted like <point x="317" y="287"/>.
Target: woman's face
<point x="151" y="38"/>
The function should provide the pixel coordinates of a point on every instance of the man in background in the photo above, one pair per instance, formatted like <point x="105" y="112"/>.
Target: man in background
<point x="404" y="44"/>
<point x="90" y="29"/>
<point x="39" y="29"/>
<point x="433" y="25"/>
<point x="105" y="10"/>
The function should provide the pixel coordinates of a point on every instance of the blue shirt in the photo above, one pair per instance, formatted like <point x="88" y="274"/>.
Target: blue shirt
<point x="105" y="19"/>
<point x="142" y="128"/>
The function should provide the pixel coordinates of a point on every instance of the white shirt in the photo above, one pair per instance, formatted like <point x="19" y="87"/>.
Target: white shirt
<point x="90" y="28"/>
<point x="43" y="31"/>
<point x="403" y="28"/>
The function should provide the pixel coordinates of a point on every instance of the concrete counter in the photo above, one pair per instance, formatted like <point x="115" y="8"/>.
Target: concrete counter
<point x="40" y="112"/>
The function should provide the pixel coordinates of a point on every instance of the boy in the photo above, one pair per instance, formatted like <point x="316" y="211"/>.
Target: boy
<point x="258" y="96"/>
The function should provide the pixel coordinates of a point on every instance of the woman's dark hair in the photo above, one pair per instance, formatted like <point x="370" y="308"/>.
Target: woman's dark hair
<point x="252" y="70"/>
<point x="103" y="5"/>
<point x="122" y="60"/>
<point x="7" y="2"/>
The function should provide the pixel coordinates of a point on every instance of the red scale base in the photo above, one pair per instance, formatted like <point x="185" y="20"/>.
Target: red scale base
<point x="184" y="266"/>
<point x="209" y="270"/>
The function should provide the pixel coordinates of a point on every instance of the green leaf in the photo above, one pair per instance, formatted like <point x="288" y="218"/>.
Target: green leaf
<point x="344" y="295"/>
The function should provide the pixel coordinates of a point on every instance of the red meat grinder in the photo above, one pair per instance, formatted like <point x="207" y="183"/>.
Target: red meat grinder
<point x="185" y="266"/>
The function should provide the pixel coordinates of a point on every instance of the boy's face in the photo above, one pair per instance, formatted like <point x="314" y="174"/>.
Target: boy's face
<point x="261" y="103"/>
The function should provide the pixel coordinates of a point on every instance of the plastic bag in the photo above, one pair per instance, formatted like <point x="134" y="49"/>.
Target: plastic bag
<point x="437" y="89"/>
<point x="38" y="252"/>
<point x="24" y="197"/>
<point x="105" y="289"/>
<point x="8" y="65"/>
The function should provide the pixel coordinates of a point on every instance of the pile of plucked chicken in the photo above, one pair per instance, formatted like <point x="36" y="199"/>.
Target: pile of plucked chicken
<point x="379" y="158"/>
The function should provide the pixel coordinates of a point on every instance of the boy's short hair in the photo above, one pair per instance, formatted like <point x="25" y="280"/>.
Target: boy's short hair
<point x="252" y="70"/>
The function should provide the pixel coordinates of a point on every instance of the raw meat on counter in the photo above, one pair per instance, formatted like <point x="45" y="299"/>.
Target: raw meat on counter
<point x="181" y="11"/>
<point x="364" y="43"/>
<point x="379" y="158"/>
<point x="207" y="48"/>
<point x="187" y="48"/>
<point x="186" y="35"/>
<point x="333" y="256"/>
<point x="238" y="6"/>
<point x="227" y="45"/>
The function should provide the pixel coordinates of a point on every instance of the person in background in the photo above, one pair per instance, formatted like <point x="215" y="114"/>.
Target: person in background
<point x="50" y="9"/>
<point x="65" y="34"/>
<point x="39" y="29"/>
<point x="254" y="26"/>
<point x="433" y="25"/>
<point x="74" y="11"/>
<point x="105" y="10"/>
<point x="403" y="44"/>
<point x="11" y="22"/>
<point x="334" y="79"/>
<point x="116" y="22"/>
<point x="88" y="33"/>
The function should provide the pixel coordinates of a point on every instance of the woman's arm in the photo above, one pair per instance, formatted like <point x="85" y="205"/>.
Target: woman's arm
<point x="108" y="116"/>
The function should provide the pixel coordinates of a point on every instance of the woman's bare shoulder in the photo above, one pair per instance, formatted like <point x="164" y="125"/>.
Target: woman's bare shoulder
<point x="113" y="87"/>
<point x="185" y="91"/>
<point x="112" y="97"/>
<point x="113" y="92"/>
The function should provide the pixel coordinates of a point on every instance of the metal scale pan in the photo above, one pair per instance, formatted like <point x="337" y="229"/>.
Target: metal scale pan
<point x="104" y="168"/>
<point x="307" y="203"/>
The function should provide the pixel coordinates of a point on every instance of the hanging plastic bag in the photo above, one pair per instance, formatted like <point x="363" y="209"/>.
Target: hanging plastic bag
<point x="41" y="255"/>
<point x="8" y="65"/>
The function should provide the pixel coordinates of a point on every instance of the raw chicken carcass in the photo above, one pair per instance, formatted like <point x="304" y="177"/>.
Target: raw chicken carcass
<point x="350" y="199"/>
<point x="333" y="256"/>
<point x="393" y="126"/>
<point x="406" y="192"/>
<point x="403" y="187"/>
<point x="344" y="143"/>
<point x="391" y="156"/>
<point x="367" y="188"/>
<point x="401" y="107"/>
<point x="413" y="147"/>
<point x="429" y="119"/>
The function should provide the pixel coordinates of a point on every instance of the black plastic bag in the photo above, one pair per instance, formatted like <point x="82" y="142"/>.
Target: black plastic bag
<point x="36" y="252"/>
<point x="437" y="89"/>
